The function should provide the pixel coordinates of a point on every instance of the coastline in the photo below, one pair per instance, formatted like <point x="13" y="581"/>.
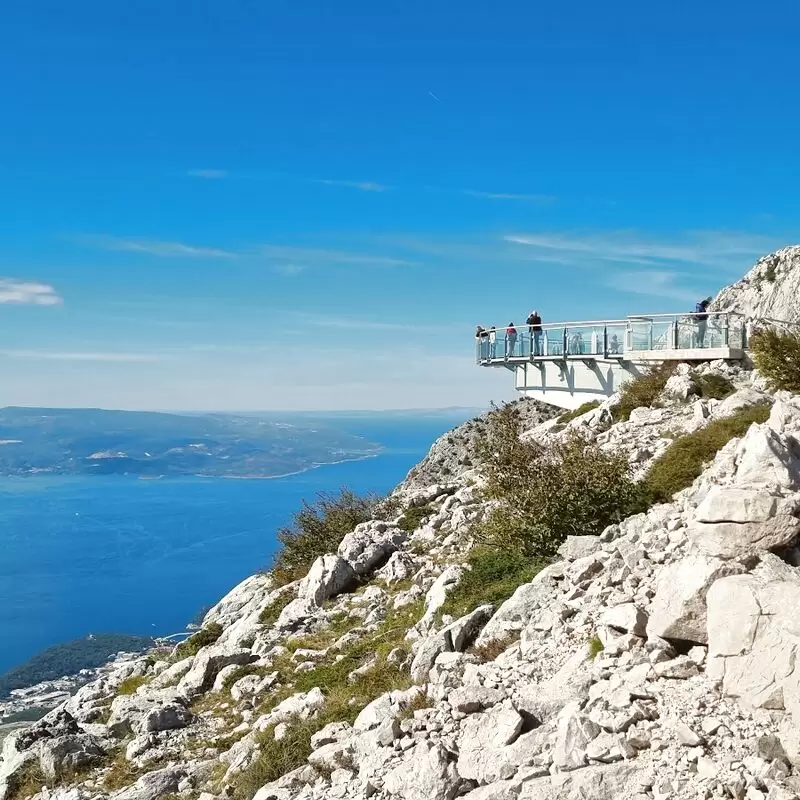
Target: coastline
<point x="291" y="474"/>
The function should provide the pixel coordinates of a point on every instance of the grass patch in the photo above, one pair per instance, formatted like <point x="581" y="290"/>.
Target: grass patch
<point x="196" y="642"/>
<point x="413" y="517"/>
<point x="491" y="650"/>
<point x="493" y="577"/>
<point x="270" y="613"/>
<point x="121" y="773"/>
<point x="642" y="391"/>
<point x="318" y="528"/>
<point x="595" y="646"/>
<point x="682" y="462"/>
<point x="713" y="386"/>
<point x="27" y="782"/>
<point x="585" y="408"/>
<point x="130" y="685"/>
<point x="241" y="672"/>
<point x="344" y="701"/>
<point x="777" y="357"/>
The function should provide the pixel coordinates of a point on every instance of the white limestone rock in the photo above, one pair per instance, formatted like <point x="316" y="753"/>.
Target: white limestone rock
<point x="484" y="738"/>
<point x="370" y="545"/>
<point x="329" y="575"/>
<point x="574" y="733"/>
<point x="426" y="774"/>
<point x="678" y="610"/>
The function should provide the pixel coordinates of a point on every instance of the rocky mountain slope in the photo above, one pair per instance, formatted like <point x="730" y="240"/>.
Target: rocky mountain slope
<point x="768" y="291"/>
<point x="655" y="661"/>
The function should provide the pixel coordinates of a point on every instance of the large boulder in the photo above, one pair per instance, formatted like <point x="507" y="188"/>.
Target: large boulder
<point x="154" y="785"/>
<point x="737" y="521"/>
<point x="484" y="738"/>
<point x="207" y="664"/>
<point x="515" y="613"/>
<point x="453" y="638"/>
<point x="437" y="594"/>
<point x="65" y="755"/>
<point x="370" y="544"/>
<point x="678" y="610"/>
<point x="329" y="575"/>
<point x="765" y="458"/>
<point x="426" y="774"/>
<point x="754" y="634"/>
<point x="574" y="734"/>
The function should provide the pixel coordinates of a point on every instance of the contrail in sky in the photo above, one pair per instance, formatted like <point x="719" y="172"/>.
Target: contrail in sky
<point x="434" y="97"/>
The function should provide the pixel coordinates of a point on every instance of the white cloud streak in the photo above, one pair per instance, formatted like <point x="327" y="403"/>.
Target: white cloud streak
<point x="15" y="292"/>
<point x="50" y="355"/>
<point x="364" y="186"/>
<point x="541" y="199"/>
<point x="709" y="248"/>
<point x="155" y="247"/>
<point x="651" y="284"/>
<point x="289" y="270"/>
<point x="210" y="174"/>
<point x="310" y="256"/>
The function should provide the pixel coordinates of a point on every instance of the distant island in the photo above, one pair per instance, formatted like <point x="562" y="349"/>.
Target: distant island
<point x="87" y="441"/>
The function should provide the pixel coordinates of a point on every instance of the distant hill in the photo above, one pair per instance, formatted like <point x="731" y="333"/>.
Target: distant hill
<point x="142" y="443"/>
<point x="69" y="658"/>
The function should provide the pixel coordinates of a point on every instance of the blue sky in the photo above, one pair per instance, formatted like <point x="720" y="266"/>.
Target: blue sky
<point x="255" y="205"/>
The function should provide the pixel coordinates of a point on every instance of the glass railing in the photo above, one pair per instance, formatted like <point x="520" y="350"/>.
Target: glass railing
<point x="615" y="337"/>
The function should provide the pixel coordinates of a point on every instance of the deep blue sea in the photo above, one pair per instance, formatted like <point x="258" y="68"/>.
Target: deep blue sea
<point x="122" y="555"/>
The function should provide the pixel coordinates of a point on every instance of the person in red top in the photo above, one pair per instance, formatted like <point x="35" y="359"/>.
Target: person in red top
<point x="511" y="339"/>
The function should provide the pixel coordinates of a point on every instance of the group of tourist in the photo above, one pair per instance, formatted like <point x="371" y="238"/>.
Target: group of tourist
<point x="574" y="345"/>
<point x="487" y="338"/>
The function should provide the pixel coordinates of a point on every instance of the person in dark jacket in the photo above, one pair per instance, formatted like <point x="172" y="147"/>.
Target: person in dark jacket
<point x="534" y="322"/>
<point x="701" y="316"/>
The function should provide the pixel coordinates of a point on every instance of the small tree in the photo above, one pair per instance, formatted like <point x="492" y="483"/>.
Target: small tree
<point x="777" y="356"/>
<point x="546" y="493"/>
<point x="318" y="528"/>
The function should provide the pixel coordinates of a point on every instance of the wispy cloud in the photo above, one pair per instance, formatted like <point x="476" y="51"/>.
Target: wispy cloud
<point x="651" y="283"/>
<point x="156" y="247"/>
<point x="208" y="173"/>
<point x="50" y="355"/>
<point x="541" y="199"/>
<point x="364" y="186"/>
<point x="707" y="248"/>
<point x="289" y="270"/>
<point x="304" y="257"/>
<point x="14" y="292"/>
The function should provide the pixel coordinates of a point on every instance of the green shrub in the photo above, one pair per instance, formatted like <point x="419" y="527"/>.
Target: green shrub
<point x="318" y="528"/>
<point x="683" y="460"/>
<point x="595" y="646"/>
<point x="578" y="412"/>
<point x="493" y="577"/>
<point x="130" y="685"/>
<point x="643" y="390"/>
<point x="777" y="356"/>
<point x="713" y="386"/>
<point x="197" y="641"/>
<point x="546" y="493"/>
<point x="413" y="517"/>
<point x="770" y="273"/>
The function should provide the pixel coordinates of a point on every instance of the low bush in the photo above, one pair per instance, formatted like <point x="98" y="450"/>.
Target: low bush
<point x="777" y="356"/>
<point x="713" y="386"/>
<point x="130" y="685"/>
<point x="683" y="460"/>
<point x="595" y="646"/>
<point x="578" y="412"/>
<point x="197" y="641"/>
<point x="318" y="528"/>
<point x="546" y="493"/>
<point x="413" y="517"/>
<point x="493" y="577"/>
<point x="643" y="390"/>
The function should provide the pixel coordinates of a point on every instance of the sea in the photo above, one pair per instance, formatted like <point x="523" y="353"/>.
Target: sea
<point x="111" y="554"/>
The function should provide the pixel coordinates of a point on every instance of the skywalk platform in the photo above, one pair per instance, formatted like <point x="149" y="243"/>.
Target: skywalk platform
<point x="570" y="363"/>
